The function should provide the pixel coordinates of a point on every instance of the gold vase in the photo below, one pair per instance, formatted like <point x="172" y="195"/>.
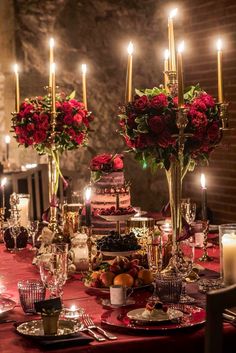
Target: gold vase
<point x="174" y="178"/>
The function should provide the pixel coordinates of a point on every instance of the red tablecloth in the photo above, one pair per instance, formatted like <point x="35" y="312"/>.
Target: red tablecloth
<point x="18" y="266"/>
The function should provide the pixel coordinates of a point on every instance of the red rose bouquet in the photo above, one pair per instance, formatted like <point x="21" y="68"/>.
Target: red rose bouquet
<point x="148" y="125"/>
<point x="32" y="125"/>
<point x="106" y="163"/>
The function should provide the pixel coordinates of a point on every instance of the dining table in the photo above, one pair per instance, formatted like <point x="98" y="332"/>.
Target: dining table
<point x="18" y="266"/>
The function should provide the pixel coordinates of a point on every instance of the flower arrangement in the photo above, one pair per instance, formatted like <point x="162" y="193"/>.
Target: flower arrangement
<point x="105" y="163"/>
<point x="32" y="124"/>
<point x="148" y="125"/>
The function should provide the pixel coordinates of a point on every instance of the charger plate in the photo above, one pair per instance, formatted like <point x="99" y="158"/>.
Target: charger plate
<point x="34" y="329"/>
<point x="118" y="318"/>
<point x="6" y="305"/>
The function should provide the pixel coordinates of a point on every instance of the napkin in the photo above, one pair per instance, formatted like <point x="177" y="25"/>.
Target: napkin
<point x="78" y="339"/>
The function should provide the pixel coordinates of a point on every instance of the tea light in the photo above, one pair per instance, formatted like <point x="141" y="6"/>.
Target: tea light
<point x="73" y="312"/>
<point x="166" y="227"/>
<point x="229" y="258"/>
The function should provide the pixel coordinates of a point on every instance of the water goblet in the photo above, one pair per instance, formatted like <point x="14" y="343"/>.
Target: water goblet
<point x="32" y="228"/>
<point x="183" y="263"/>
<point x="14" y="228"/>
<point x="188" y="210"/>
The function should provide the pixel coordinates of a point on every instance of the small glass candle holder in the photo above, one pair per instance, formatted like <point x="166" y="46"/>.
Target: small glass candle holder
<point x="73" y="312"/>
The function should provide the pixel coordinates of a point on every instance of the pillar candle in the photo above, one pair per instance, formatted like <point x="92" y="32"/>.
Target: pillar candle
<point x="17" y="89"/>
<point x="88" y="220"/>
<point x="166" y="68"/>
<point x="204" y="197"/>
<point x="180" y="76"/>
<point x="172" y="64"/>
<point x="219" y="71"/>
<point x="84" y="88"/>
<point x="128" y="91"/>
<point x="229" y="258"/>
<point x="51" y="59"/>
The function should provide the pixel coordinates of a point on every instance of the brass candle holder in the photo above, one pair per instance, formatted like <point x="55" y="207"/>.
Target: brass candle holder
<point x="2" y="217"/>
<point x="89" y="232"/>
<point x="224" y="115"/>
<point x="205" y="257"/>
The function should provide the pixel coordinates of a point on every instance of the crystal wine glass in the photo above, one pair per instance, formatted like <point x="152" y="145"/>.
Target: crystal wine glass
<point x="188" y="210"/>
<point x="33" y="227"/>
<point x="53" y="269"/>
<point x="14" y="228"/>
<point x="183" y="262"/>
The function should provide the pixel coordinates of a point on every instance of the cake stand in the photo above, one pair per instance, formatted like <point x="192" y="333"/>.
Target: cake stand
<point x="117" y="219"/>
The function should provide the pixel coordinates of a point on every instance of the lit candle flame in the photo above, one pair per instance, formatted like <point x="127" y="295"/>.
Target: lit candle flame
<point x="84" y="68"/>
<point x="130" y="48"/>
<point x="219" y="44"/>
<point x="73" y="307"/>
<point x="181" y="47"/>
<point x="51" y="43"/>
<point x="7" y="139"/>
<point x="173" y="13"/>
<point x="53" y="68"/>
<point x="88" y="192"/>
<point x="166" y="54"/>
<point x="15" y="68"/>
<point x="203" y="181"/>
<point x="3" y="182"/>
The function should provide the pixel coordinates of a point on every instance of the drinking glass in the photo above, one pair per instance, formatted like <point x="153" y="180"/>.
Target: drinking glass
<point x="32" y="228"/>
<point x="183" y="263"/>
<point x="30" y="291"/>
<point x="188" y="210"/>
<point x="53" y="269"/>
<point x="14" y="228"/>
<point x="154" y="256"/>
<point x="169" y="288"/>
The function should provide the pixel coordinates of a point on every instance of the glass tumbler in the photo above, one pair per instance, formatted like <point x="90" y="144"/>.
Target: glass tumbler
<point x="169" y="288"/>
<point x="30" y="291"/>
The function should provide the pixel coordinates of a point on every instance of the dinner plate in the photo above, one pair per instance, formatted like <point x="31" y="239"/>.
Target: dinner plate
<point x="118" y="319"/>
<point x="158" y="316"/>
<point x="34" y="329"/>
<point x="6" y="305"/>
<point x="117" y="218"/>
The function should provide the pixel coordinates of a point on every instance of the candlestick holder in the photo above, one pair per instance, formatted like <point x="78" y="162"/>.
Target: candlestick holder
<point x="224" y="115"/>
<point x="205" y="257"/>
<point x="89" y="232"/>
<point x="172" y="82"/>
<point x="2" y="217"/>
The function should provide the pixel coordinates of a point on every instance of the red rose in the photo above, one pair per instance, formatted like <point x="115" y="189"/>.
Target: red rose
<point x="66" y="107"/>
<point x="72" y="133"/>
<point x="18" y="130"/>
<point x="118" y="163"/>
<point x="199" y="119"/>
<point x="44" y="125"/>
<point x="199" y="104"/>
<point x="131" y="121"/>
<point x="30" y="127"/>
<point x="98" y="161"/>
<point x="68" y="119"/>
<point x="165" y="139"/>
<point x="207" y="99"/>
<point x="143" y="141"/>
<point x="213" y="132"/>
<point x="39" y="136"/>
<point x="78" y="118"/>
<point x="86" y="121"/>
<point x="79" y="138"/>
<point x="159" y="101"/>
<point x="129" y="142"/>
<point x="141" y="103"/>
<point x="175" y="101"/>
<point x="156" y="124"/>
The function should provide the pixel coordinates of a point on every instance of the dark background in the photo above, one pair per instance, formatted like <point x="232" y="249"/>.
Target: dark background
<point x="97" y="32"/>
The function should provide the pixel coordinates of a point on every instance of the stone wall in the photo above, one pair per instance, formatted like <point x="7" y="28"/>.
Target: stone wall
<point x="97" y="32"/>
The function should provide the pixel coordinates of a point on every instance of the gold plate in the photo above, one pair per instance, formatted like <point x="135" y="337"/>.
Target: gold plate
<point x="34" y="329"/>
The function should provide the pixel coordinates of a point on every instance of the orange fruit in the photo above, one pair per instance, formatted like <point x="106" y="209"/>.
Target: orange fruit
<point x="123" y="279"/>
<point x="145" y="276"/>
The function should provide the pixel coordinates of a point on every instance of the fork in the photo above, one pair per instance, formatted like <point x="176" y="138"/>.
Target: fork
<point x="86" y="327"/>
<point x="91" y="325"/>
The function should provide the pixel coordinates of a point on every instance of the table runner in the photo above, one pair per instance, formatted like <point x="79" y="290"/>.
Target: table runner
<point x="18" y="266"/>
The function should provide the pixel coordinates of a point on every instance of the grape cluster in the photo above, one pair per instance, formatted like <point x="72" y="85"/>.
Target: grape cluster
<point x="118" y="242"/>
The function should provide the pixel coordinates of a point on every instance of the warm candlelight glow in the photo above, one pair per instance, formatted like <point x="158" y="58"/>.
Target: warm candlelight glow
<point x="219" y="44"/>
<point x="203" y="181"/>
<point x="181" y="47"/>
<point x="166" y="54"/>
<point x="88" y="193"/>
<point x="16" y="69"/>
<point x="130" y="48"/>
<point x="173" y="13"/>
<point x="53" y="68"/>
<point x="73" y="308"/>
<point x="51" y="43"/>
<point x="3" y="181"/>
<point x="7" y="139"/>
<point x="84" y="68"/>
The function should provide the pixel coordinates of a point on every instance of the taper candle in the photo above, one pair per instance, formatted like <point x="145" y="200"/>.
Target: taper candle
<point x="180" y="75"/>
<point x="3" y="184"/>
<point x="51" y="59"/>
<point x="17" y="89"/>
<point x="88" y="220"/>
<point x="166" y="68"/>
<point x="53" y="77"/>
<point x="171" y="38"/>
<point x="204" y="197"/>
<point x="219" y="71"/>
<point x="84" y="88"/>
<point x="128" y="90"/>
<point x="7" y="142"/>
